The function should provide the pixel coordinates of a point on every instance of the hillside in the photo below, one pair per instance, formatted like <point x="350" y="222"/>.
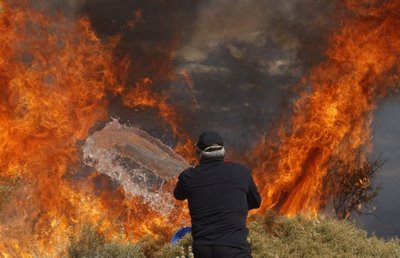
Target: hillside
<point x="270" y="236"/>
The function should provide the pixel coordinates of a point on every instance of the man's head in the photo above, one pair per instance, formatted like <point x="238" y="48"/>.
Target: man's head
<point x="210" y="145"/>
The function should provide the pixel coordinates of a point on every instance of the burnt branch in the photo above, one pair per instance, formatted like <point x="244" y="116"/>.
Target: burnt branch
<point x="351" y="186"/>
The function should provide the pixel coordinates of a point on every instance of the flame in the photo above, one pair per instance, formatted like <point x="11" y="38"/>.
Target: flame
<point x="142" y="95"/>
<point x="56" y="76"/>
<point x="54" y="80"/>
<point x="332" y="117"/>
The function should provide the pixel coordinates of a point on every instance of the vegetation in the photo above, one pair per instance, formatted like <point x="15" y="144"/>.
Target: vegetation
<point x="351" y="185"/>
<point x="278" y="236"/>
<point x="7" y="186"/>
<point x="270" y="236"/>
<point x="92" y="244"/>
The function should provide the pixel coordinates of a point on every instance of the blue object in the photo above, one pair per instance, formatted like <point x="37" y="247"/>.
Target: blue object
<point x="180" y="234"/>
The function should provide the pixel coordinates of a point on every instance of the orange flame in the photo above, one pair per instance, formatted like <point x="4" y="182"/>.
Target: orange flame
<point x="332" y="118"/>
<point x="141" y="95"/>
<point x="55" y="75"/>
<point x="54" y="79"/>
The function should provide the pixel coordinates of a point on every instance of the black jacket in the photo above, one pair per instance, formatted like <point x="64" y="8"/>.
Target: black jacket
<point x="219" y="194"/>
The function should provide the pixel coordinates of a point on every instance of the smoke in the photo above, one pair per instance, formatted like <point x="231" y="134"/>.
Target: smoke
<point x="69" y="8"/>
<point x="150" y="31"/>
<point x="245" y="58"/>
<point x="291" y="26"/>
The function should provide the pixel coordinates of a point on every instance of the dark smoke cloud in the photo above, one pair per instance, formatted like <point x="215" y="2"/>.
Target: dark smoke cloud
<point x="161" y="27"/>
<point x="244" y="59"/>
<point x="70" y="8"/>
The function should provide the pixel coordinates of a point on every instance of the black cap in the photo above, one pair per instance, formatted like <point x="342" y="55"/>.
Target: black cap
<point x="207" y="139"/>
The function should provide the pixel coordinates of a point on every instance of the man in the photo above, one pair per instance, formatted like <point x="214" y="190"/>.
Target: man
<point x="219" y="194"/>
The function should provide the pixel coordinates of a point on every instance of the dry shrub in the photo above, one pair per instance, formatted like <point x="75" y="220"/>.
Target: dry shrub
<point x="7" y="186"/>
<point x="181" y="250"/>
<point x="270" y="236"/>
<point x="322" y="237"/>
<point x="91" y="244"/>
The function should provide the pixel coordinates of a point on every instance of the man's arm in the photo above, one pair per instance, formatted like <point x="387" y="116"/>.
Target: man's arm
<point x="179" y="192"/>
<point x="253" y="196"/>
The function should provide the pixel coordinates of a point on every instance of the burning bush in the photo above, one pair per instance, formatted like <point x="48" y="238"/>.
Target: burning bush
<point x="352" y="186"/>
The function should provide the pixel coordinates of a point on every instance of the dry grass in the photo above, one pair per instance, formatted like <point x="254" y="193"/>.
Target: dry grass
<point x="277" y="236"/>
<point x="270" y="236"/>
<point x="94" y="245"/>
<point x="7" y="186"/>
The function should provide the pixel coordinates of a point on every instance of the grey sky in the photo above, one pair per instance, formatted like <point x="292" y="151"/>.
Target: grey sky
<point x="386" y="141"/>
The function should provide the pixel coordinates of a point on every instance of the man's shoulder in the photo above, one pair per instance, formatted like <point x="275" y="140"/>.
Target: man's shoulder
<point x="235" y="165"/>
<point x="186" y="172"/>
